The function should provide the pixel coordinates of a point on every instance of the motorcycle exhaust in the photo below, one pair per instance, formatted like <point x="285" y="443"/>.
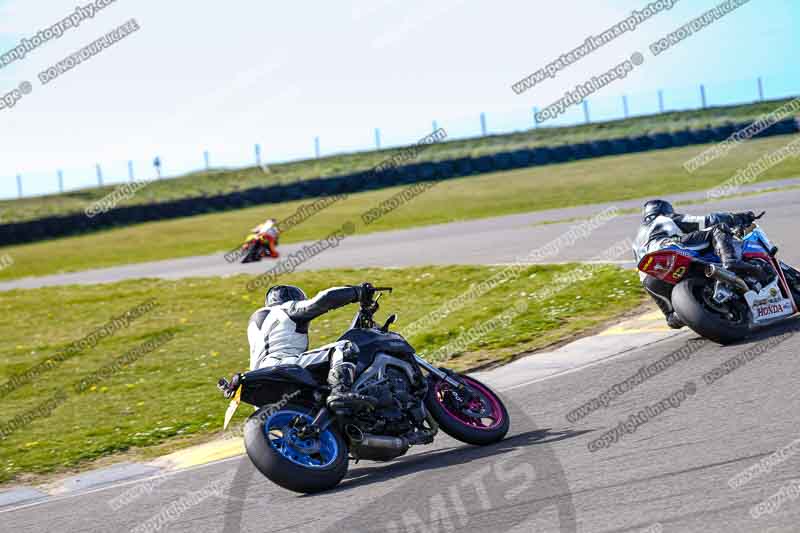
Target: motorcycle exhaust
<point x="363" y="440"/>
<point x="726" y="276"/>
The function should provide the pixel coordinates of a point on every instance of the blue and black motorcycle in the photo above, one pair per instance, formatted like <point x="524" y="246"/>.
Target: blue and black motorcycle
<point x="298" y="443"/>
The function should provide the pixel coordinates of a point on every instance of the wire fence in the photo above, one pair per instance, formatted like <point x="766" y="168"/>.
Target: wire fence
<point x="598" y="109"/>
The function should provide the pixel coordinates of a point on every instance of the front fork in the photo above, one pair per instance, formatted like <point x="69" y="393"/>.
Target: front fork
<point x="439" y="373"/>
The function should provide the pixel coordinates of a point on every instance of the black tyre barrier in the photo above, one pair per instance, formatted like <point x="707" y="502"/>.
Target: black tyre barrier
<point x="681" y="138"/>
<point x="700" y="136"/>
<point x="661" y="141"/>
<point x="463" y="166"/>
<point x="641" y="143"/>
<point x="563" y="153"/>
<point x="620" y="146"/>
<point x="521" y="158"/>
<point x="541" y="156"/>
<point x="484" y="164"/>
<point x="76" y="223"/>
<point x="502" y="161"/>
<point x="582" y="150"/>
<point x="721" y="133"/>
<point x="600" y="148"/>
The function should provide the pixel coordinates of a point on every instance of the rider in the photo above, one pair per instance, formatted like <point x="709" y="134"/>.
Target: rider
<point x="269" y="233"/>
<point x="278" y="335"/>
<point x="662" y="227"/>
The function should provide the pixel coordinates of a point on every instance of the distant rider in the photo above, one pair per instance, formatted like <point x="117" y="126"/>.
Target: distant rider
<point x="278" y="335"/>
<point x="662" y="227"/>
<point x="269" y="233"/>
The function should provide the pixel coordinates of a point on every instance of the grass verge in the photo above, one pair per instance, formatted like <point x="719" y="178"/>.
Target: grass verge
<point x="224" y="181"/>
<point x="578" y="183"/>
<point x="169" y="394"/>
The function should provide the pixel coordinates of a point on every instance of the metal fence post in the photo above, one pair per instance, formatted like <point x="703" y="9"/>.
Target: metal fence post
<point x="19" y="185"/>
<point x="99" y="175"/>
<point x="660" y="101"/>
<point x="378" y="138"/>
<point x="535" y="120"/>
<point x="483" y="124"/>
<point x="760" y="89"/>
<point x="625" y="105"/>
<point x="316" y="147"/>
<point x="258" y="155"/>
<point x="130" y="171"/>
<point x="60" y="181"/>
<point x="586" y="111"/>
<point x="206" y="159"/>
<point x="703" y="95"/>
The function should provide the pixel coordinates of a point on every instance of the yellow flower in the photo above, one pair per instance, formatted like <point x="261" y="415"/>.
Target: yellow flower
<point x="93" y="388"/>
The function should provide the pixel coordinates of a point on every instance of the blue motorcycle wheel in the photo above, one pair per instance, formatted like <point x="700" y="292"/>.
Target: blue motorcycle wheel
<point x="300" y="465"/>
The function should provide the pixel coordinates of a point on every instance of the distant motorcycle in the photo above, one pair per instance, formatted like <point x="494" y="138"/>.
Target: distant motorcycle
<point x="718" y="304"/>
<point x="255" y="248"/>
<point x="298" y="443"/>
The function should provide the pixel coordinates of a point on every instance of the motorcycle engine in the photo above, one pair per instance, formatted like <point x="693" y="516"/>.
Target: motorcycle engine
<point x="397" y="407"/>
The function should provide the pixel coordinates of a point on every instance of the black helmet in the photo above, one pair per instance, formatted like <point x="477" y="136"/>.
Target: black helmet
<point x="284" y="293"/>
<point x="655" y="208"/>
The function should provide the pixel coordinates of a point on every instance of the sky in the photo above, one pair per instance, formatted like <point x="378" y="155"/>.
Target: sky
<point x="201" y="75"/>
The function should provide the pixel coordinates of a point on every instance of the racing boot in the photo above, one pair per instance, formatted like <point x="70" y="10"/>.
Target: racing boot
<point x="793" y="279"/>
<point x="651" y="286"/>
<point x="341" y="400"/>
<point x="723" y="244"/>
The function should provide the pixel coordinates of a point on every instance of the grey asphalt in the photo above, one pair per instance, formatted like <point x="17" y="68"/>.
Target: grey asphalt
<point x="488" y="241"/>
<point x="671" y="472"/>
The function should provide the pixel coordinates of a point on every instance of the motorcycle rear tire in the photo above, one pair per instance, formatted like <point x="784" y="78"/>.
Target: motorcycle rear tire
<point x="279" y="469"/>
<point x="702" y="321"/>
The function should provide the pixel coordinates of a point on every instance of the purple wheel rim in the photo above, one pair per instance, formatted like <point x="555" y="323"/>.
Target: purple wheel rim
<point x="488" y="404"/>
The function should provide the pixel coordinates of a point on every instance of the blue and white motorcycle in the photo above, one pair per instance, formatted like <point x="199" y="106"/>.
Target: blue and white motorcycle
<point x="721" y="305"/>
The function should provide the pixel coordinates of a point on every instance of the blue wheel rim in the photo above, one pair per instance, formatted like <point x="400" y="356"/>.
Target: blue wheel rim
<point x="309" y="453"/>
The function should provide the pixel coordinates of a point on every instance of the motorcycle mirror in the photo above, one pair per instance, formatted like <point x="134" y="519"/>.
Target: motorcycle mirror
<point x="389" y="321"/>
<point x="759" y="217"/>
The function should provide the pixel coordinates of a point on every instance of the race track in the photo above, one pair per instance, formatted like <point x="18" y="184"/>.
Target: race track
<point x="670" y="473"/>
<point x="488" y="241"/>
<point x="673" y="470"/>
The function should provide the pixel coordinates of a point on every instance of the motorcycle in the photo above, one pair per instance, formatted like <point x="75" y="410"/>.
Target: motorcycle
<point x="301" y="445"/>
<point x="255" y="248"/>
<point x="721" y="305"/>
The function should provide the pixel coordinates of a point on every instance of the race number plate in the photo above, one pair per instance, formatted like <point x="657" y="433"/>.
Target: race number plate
<point x="235" y="401"/>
